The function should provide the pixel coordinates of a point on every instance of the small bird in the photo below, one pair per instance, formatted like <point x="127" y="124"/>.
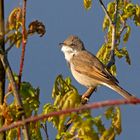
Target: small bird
<point x="87" y="69"/>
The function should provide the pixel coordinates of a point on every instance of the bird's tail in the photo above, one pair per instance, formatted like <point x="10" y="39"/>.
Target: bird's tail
<point x="121" y="91"/>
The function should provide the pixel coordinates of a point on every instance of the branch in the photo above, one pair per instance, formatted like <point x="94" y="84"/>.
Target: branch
<point x="87" y="94"/>
<point x="106" y="12"/>
<point x="113" y="24"/>
<point x="25" y="129"/>
<point x="112" y="56"/>
<point x="124" y="26"/>
<point x="10" y="76"/>
<point x="44" y="126"/>
<point x="12" y="44"/>
<point x="95" y="105"/>
<point x="2" y="71"/>
<point x="23" y="41"/>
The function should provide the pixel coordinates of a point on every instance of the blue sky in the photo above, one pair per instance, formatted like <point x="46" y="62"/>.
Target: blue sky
<point x="44" y="60"/>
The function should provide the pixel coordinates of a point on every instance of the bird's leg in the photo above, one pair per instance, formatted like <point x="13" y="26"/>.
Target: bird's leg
<point x="85" y="97"/>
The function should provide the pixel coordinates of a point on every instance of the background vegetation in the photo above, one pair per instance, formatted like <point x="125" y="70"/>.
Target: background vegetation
<point x="20" y="100"/>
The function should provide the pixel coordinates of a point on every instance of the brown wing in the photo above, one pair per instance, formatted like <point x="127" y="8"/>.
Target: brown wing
<point x="88" y="64"/>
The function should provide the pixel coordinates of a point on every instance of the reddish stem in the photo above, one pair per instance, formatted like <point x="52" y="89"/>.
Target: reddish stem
<point x="95" y="105"/>
<point x="19" y="134"/>
<point x="23" y="40"/>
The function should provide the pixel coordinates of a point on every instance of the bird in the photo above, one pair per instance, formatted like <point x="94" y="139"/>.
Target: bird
<point x="87" y="69"/>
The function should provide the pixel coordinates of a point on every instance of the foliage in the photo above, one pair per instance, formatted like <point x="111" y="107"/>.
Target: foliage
<point x="14" y="28"/>
<point x="11" y="112"/>
<point x="83" y="124"/>
<point x="126" y="11"/>
<point x="14" y="24"/>
<point x="87" y="4"/>
<point x="29" y="95"/>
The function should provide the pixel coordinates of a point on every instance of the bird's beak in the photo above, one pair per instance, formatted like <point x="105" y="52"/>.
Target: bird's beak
<point x="61" y="44"/>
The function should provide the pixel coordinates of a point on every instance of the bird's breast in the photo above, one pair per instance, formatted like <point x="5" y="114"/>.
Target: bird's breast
<point x="83" y="79"/>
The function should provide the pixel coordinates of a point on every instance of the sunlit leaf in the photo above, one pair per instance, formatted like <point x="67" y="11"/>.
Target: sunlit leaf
<point x="104" y="53"/>
<point x="85" y="129"/>
<point x="87" y="4"/>
<point x="128" y="11"/>
<point x="127" y="34"/>
<point x="109" y="112"/>
<point x="137" y="16"/>
<point x="12" y="134"/>
<point x="48" y="108"/>
<point x="15" y="19"/>
<point x="108" y="134"/>
<point x="111" y="7"/>
<point x="123" y="53"/>
<point x="35" y="131"/>
<point x="105" y="23"/>
<point x="113" y="70"/>
<point x="99" y="124"/>
<point x="116" y="121"/>
<point x="5" y="112"/>
<point x="73" y="100"/>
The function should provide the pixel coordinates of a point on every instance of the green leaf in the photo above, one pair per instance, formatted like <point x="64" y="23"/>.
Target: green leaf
<point x="113" y="114"/>
<point x="72" y="100"/>
<point x="85" y="130"/>
<point x="105" y="23"/>
<point x="11" y="134"/>
<point x="111" y="7"/>
<point x="108" y="134"/>
<point x="48" y="108"/>
<point x="35" y="131"/>
<point x="127" y="34"/>
<point x="87" y="4"/>
<point x="123" y="53"/>
<point x="99" y="124"/>
<point x="30" y="97"/>
<point x="116" y="121"/>
<point x="14" y="37"/>
<point x="15" y="19"/>
<point x="128" y="11"/>
<point x="109" y="112"/>
<point x="64" y="94"/>
<point x="137" y="16"/>
<point x="113" y="70"/>
<point x="104" y="53"/>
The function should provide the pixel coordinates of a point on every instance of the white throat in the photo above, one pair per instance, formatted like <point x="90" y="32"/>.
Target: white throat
<point x="68" y="52"/>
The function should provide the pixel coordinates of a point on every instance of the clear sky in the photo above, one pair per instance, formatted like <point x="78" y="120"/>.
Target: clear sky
<point x="44" y="60"/>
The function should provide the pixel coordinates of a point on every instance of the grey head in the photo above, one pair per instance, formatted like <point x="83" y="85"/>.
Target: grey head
<point x="71" y="46"/>
<point x="73" y="42"/>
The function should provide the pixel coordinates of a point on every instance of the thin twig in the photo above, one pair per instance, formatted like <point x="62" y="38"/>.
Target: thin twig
<point x="12" y="44"/>
<point x="14" y="89"/>
<point x="44" y="126"/>
<point x="2" y="71"/>
<point x="26" y="129"/>
<point x="113" y="24"/>
<point x="124" y="26"/>
<point x="95" y="105"/>
<point x="112" y="56"/>
<point x="106" y="12"/>
<point x="23" y="41"/>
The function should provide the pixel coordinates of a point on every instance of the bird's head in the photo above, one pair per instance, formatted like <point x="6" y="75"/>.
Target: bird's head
<point x="71" y="46"/>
